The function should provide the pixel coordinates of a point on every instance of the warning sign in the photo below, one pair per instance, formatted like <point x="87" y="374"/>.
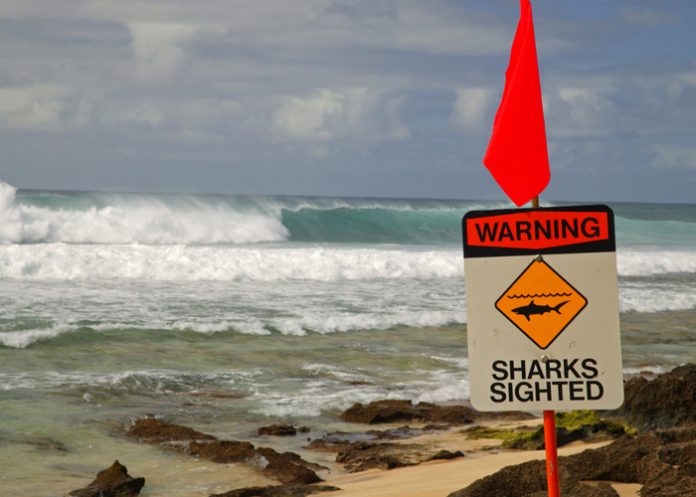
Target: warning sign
<point x="540" y="303"/>
<point x="542" y="309"/>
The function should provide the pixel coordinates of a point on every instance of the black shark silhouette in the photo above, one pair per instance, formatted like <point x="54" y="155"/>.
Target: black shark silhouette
<point x="532" y="309"/>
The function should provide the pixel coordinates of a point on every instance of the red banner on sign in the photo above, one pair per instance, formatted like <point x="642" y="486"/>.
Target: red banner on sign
<point x="537" y="230"/>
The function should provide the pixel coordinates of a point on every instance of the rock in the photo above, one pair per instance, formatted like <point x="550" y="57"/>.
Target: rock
<point x="392" y="411"/>
<point x="664" y="462"/>
<point x="359" y="456"/>
<point x="446" y="455"/>
<point x="580" y="489"/>
<point x="617" y="461"/>
<point x="155" y="431"/>
<point x="113" y="481"/>
<point x="512" y="481"/>
<point x="281" y="430"/>
<point x="570" y="427"/>
<point x="222" y="451"/>
<point x="288" y="467"/>
<point x="45" y="443"/>
<point x="529" y="480"/>
<point x="668" y="400"/>
<point x="278" y="491"/>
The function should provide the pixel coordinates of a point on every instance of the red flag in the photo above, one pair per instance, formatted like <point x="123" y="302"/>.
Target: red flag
<point x="517" y="156"/>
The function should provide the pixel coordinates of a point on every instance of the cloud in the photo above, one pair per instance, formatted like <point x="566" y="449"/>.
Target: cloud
<point x="340" y="114"/>
<point x="470" y="110"/>
<point x="34" y="107"/>
<point x="582" y="110"/>
<point x="159" y="50"/>
<point x="674" y="156"/>
<point x="646" y="17"/>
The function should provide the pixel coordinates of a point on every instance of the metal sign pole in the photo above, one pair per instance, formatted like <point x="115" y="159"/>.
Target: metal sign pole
<point x="550" y="435"/>
<point x="551" y="453"/>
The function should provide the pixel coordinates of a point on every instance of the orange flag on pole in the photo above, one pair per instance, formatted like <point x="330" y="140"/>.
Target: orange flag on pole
<point x="517" y="156"/>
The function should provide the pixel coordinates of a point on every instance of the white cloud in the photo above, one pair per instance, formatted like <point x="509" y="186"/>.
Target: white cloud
<point x="339" y="114"/>
<point x="647" y="17"/>
<point x="674" y="156"/>
<point x="470" y="109"/>
<point x="582" y="110"/>
<point x="159" y="50"/>
<point x="35" y="107"/>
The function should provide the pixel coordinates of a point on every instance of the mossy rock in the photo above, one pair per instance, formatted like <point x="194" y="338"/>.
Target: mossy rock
<point x="583" y="425"/>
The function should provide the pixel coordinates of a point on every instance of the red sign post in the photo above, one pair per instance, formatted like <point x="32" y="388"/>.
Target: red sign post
<point x="517" y="154"/>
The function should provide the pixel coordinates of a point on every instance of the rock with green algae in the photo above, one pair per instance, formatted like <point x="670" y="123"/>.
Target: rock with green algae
<point x="571" y="426"/>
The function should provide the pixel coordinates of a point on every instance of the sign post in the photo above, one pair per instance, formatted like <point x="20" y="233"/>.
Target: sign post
<point x="543" y="327"/>
<point x="543" y="313"/>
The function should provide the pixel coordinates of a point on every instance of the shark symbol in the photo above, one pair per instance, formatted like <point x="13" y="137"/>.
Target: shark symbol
<point x="533" y="309"/>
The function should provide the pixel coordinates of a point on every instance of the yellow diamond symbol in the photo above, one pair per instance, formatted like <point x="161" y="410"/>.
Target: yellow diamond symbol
<point x="541" y="303"/>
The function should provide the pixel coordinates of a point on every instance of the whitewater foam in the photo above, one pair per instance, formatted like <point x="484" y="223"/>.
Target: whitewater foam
<point x="652" y="262"/>
<point x="60" y="261"/>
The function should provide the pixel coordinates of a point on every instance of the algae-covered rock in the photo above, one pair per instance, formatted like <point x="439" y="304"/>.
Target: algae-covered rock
<point x="571" y="426"/>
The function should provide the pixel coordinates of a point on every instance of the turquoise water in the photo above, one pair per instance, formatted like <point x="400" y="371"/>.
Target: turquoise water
<point x="227" y="312"/>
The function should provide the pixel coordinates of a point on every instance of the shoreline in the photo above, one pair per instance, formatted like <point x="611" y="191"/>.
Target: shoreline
<point x="397" y="448"/>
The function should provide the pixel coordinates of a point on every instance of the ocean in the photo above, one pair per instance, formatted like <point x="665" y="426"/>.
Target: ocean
<point x="229" y="312"/>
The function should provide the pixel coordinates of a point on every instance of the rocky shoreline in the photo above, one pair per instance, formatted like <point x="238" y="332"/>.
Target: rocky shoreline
<point x="654" y="446"/>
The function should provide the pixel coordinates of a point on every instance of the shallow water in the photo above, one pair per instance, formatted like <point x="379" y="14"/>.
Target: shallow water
<point x="226" y="313"/>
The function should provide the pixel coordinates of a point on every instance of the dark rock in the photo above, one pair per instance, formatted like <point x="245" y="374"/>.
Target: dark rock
<point x="281" y="430"/>
<point x="512" y="481"/>
<point x="395" y="433"/>
<point x="113" y="481"/>
<point x="663" y="462"/>
<point x="668" y="400"/>
<point x="529" y="480"/>
<point x="617" y="461"/>
<point x="679" y="434"/>
<point x="288" y="468"/>
<point x="393" y="411"/>
<point x="278" y="491"/>
<point x="359" y="456"/>
<point x="154" y="431"/>
<point x="45" y="443"/>
<point x="446" y="455"/>
<point x="580" y="489"/>
<point x="303" y="429"/>
<point x="223" y="451"/>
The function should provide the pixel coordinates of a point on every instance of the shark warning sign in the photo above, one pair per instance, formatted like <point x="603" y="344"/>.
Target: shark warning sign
<point x="542" y="308"/>
<point x="541" y="303"/>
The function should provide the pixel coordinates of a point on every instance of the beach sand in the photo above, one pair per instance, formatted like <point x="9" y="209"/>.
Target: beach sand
<point x="440" y="478"/>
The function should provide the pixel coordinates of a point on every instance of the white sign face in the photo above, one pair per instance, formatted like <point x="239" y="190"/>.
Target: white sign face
<point x="542" y="309"/>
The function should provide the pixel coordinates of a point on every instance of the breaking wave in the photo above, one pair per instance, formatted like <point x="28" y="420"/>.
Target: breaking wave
<point x="161" y="219"/>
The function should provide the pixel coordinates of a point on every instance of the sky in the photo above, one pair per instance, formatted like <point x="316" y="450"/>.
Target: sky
<point x="370" y="98"/>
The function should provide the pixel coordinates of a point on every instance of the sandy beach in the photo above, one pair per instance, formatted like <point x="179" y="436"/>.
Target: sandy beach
<point x="440" y="478"/>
